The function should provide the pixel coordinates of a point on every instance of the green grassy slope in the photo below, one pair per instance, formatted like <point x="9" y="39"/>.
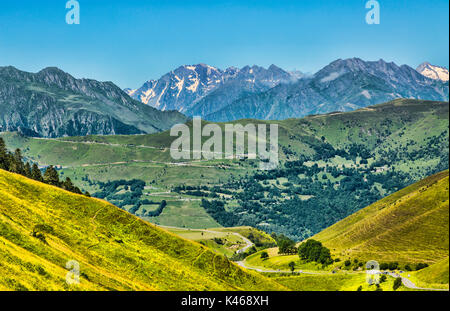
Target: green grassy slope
<point x="435" y="276"/>
<point x="409" y="226"/>
<point x="334" y="282"/>
<point x="116" y="250"/>
<point x="226" y="241"/>
<point x="258" y="237"/>
<point x="395" y="125"/>
<point x="407" y="140"/>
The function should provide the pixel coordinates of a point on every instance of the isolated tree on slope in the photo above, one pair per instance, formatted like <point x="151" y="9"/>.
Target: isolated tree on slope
<point x="292" y="266"/>
<point x="264" y="255"/>
<point x="397" y="283"/>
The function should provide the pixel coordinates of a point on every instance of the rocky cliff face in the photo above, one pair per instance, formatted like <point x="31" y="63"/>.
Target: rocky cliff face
<point x="52" y="103"/>
<point x="344" y="85"/>
<point x="202" y="89"/>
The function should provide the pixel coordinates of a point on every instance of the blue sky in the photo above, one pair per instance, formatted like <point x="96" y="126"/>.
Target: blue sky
<point x="129" y="42"/>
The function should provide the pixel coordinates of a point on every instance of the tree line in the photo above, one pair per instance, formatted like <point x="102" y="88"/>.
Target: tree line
<point x="13" y="162"/>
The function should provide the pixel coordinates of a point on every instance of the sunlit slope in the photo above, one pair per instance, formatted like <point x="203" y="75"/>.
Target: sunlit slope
<point x="410" y="226"/>
<point x="116" y="251"/>
<point x="435" y="276"/>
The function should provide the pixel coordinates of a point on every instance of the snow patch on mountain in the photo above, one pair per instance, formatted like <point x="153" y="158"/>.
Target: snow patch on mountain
<point x="366" y="94"/>
<point x="332" y="76"/>
<point x="433" y="72"/>
<point x="184" y="87"/>
<point x="196" y="82"/>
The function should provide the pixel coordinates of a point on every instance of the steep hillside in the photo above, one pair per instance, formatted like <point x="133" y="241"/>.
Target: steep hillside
<point x="434" y="276"/>
<point x="409" y="226"/>
<point x="227" y="241"/>
<point x="42" y="228"/>
<point x="52" y="103"/>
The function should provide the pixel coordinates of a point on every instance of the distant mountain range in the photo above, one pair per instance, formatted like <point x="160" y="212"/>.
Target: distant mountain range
<point x="255" y="92"/>
<point x="202" y="89"/>
<point x="52" y="103"/>
<point x="433" y="72"/>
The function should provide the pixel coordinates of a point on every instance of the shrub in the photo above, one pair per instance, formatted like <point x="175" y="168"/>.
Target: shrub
<point x="393" y="266"/>
<point x="421" y="266"/>
<point x="264" y="255"/>
<point x="397" y="283"/>
<point x="292" y="266"/>
<point x="43" y="228"/>
<point x="313" y="250"/>
<point x="40" y="236"/>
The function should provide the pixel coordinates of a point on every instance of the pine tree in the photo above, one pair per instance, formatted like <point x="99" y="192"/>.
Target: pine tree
<point x="68" y="185"/>
<point x="4" y="163"/>
<point x="17" y="163"/>
<point x="36" y="173"/>
<point x="27" y="170"/>
<point x="51" y="176"/>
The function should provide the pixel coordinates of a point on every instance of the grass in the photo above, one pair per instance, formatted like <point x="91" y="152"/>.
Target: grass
<point x="254" y="235"/>
<point x="116" y="250"/>
<point x="435" y="276"/>
<point x="401" y="124"/>
<point x="183" y="214"/>
<point x="281" y="262"/>
<point x="230" y="242"/>
<point x="227" y="246"/>
<point x="334" y="282"/>
<point x="409" y="226"/>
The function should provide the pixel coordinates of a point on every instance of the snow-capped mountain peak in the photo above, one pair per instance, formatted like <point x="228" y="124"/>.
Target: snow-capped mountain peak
<point x="433" y="72"/>
<point x="184" y="87"/>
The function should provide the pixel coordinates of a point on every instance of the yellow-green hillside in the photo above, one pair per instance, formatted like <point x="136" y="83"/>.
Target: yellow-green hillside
<point x="334" y="282"/>
<point x="409" y="226"/>
<point x="116" y="250"/>
<point x="435" y="276"/>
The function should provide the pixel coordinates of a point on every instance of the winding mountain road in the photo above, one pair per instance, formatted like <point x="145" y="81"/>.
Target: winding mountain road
<point x="243" y="265"/>
<point x="248" y="243"/>
<point x="409" y="284"/>
<point x="406" y="282"/>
